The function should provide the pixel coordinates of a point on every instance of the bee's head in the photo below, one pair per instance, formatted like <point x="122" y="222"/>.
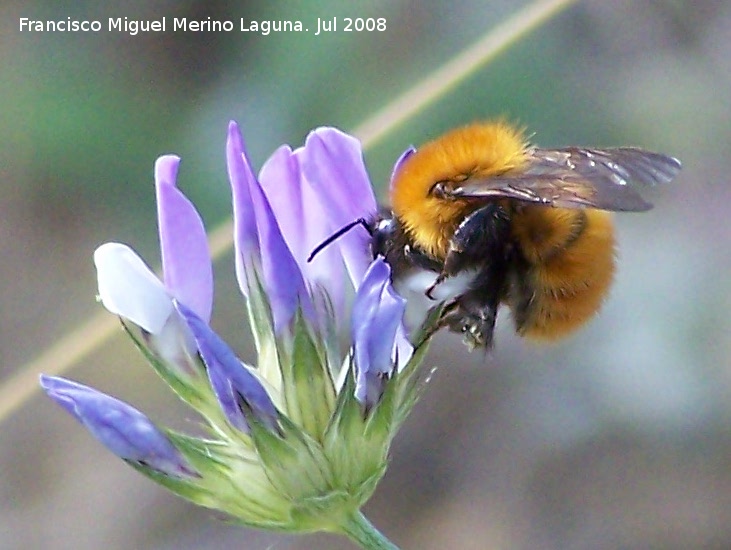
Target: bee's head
<point x="383" y="231"/>
<point x="430" y="216"/>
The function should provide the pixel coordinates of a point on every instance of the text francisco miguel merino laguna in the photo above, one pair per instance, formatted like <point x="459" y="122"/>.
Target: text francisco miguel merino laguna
<point x="179" y="24"/>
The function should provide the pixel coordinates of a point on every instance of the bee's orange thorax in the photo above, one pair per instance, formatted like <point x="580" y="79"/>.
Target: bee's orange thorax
<point x="485" y="149"/>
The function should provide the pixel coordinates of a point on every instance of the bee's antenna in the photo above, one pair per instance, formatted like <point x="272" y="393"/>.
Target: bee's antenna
<point x="339" y="233"/>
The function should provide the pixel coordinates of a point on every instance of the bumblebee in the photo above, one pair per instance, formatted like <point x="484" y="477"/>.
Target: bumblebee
<point x="481" y="219"/>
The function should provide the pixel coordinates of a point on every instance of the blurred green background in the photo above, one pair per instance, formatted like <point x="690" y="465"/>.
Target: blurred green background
<point x="619" y="437"/>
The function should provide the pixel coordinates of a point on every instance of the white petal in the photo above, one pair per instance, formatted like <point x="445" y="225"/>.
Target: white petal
<point x="128" y="288"/>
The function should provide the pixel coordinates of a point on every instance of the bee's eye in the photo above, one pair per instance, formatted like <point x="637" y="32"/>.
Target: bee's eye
<point x="440" y="189"/>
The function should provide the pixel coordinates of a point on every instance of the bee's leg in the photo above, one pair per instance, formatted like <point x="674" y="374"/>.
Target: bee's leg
<point x="480" y="238"/>
<point x="419" y="259"/>
<point x="439" y="280"/>
<point x="434" y="325"/>
<point x="476" y="323"/>
<point x="474" y="313"/>
<point x="481" y="243"/>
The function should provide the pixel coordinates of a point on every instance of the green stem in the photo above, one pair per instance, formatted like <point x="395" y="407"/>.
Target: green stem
<point x="363" y="532"/>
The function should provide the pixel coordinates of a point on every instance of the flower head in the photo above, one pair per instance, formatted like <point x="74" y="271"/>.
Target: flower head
<point x="298" y="439"/>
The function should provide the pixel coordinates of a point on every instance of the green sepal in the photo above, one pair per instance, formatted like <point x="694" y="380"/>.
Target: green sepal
<point x="409" y="384"/>
<point x="207" y="456"/>
<point x="327" y="329"/>
<point x="293" y="461"/>
<point x="322" y="512"/>
<point x="196" y="392"/>
<point x="358" y="461"/>
<point x="185" y="488"/>
<point x="309" y="393"/>
<point x="230" y="481"/>
<point x="201" y="456"/>
<point x="260" y="315"/>
<point x="262" y="328"/>
<point x="379" y="421"/>
<point x="428" y="328"/>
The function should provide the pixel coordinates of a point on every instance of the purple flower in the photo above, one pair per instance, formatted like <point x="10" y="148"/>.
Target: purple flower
<point x="316" y="451"/>
<point x="377" y="314"/>
<point x="259" y="248"/>
<point x="120" y="427"/>
<point x="186" y="259"/>
<point x="238" y="391"/>
<point x="314" y="191"/>
<point x="128" y="288"/>
<point x="304" y="223"/>
<point x="304" y="196"/>
<point x="332" y="163"/>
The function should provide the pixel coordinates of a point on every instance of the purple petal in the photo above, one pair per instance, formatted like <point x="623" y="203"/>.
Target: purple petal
<point x="234" y="385"/>
<point x="120" y="427"/>
<point x="377" y="315"/>
<point x="333" y="163"/>
<point x="226" y="396"/>
<point x="280" y="274"/>
<point x="303" y="222"/>
<point x="186" y="258"/>
<point x="246" y="237"/>
<point x="283" y="281"/>
<point x="280" y="178"/>
<point x="399" y="162"/>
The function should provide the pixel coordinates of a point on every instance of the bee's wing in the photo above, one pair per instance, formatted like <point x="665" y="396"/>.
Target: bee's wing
<point x="575" y="177"/>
